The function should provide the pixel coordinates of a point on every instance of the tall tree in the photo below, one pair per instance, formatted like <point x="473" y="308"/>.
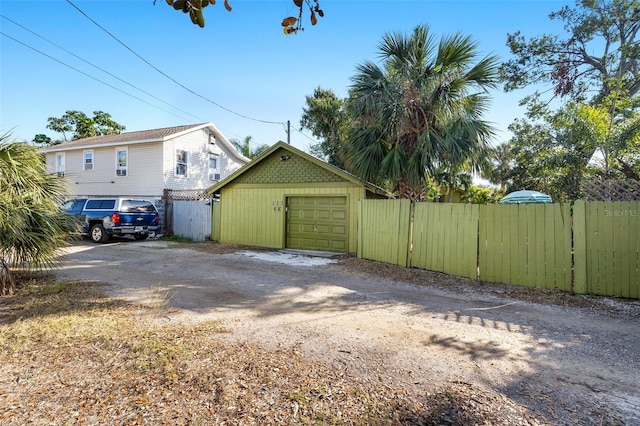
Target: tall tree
<point x="244" y="147"/>
<point x="80" y="126"/>
<point x="598" y="54"/>
<point x="32" y="226"/>
<point x="326" y="116"/>
<point x="420" y="109"/>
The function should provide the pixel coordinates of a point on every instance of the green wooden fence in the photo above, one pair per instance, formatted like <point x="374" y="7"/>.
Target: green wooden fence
<point x="445" y="238"/>
<point x="383" y="230"/>
<point x="527" y="245"/>
<point x="607" y="248"/>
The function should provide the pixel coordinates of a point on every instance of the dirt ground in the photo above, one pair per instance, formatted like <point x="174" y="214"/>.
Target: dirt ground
<point x="541" y="357"/>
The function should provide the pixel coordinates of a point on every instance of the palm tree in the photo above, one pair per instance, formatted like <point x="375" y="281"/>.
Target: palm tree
<point x="245" y="149"/>
<point x="420" y="110"/>
<point x="32" y="225"/>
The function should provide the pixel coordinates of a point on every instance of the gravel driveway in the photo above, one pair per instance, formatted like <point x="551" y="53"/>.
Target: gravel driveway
<point x="571" y="365"/>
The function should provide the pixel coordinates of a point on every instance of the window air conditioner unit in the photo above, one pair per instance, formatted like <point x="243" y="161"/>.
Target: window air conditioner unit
<point x="121" y="172"/>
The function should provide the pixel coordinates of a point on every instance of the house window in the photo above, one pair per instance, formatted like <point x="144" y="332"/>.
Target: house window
<point x="60" y="164"/>
<point x="122" y="161"/>
<point x="88" y="160"/>
<point x="181" y="162"/>
<point x="214" y="173"/>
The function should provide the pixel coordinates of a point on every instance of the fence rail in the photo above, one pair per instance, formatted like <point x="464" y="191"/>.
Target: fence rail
<point x="529" y="245"/>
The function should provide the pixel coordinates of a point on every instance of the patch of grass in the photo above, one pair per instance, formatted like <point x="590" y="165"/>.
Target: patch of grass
<point x="176" y="239"/>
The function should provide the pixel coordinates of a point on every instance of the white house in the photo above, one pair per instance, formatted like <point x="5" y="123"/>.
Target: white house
<point x="145" y="163"/>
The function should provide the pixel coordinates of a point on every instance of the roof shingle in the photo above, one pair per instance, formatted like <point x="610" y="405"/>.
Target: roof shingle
<point x="142" y="135"/>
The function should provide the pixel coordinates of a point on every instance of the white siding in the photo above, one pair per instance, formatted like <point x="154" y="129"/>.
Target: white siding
<point x="144" y="176"/>
<point x="150" y="166"/>
<point x="50" y="160"/>
<point x="198" y="147"/>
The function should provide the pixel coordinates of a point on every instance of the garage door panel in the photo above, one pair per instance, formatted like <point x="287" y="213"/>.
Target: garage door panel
<point x="323" y="229"/>
<point x="323" y="214"/>
<point x="317" y="223"/>
<point x="337" y="215"/>
<point x="337" y="229"/>
<point x="306" y="229"/>
<point x="307" y="213"/>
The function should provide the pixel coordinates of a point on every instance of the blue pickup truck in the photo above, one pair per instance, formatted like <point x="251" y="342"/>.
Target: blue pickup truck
<point x="102" y="218"/>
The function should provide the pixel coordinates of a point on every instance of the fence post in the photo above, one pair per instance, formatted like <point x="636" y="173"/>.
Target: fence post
<point x="412" y="209"/>
<point x="579" y="247"/>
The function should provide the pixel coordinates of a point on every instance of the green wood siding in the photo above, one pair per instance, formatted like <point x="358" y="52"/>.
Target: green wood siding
<point x="254" y="214"/>
<point x="215" y="221"/>
<point x="318" y="223"/>
<point x="273" y="170"/>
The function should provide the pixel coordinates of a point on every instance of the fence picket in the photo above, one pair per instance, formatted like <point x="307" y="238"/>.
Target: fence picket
<point x="579" y="244"/>
<point x="634" y="250"/>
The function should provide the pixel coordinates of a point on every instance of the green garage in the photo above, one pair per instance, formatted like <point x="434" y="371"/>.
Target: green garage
<point x="289" y="199"/>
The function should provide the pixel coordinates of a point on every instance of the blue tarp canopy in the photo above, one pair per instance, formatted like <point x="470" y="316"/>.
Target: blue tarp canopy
<point x="525" y="197"/>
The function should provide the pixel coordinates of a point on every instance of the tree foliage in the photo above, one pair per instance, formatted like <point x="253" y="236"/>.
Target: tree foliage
<point x="290" y="24"/>
<point x="325" y="115"/>
<point x="598" y="54"/>
<point x="32" y="226"/>
<point x="421" y="110"/>
<point x="43" y="140"/>
<point x="244" y="147"/>
<point x="596" y="66"/>
<point x="476" y="194"/>
<point x="557" y="152"/>
<point x="547" y="159"/>
<point x="614" y="126"/>
<point x="80" y="126"/>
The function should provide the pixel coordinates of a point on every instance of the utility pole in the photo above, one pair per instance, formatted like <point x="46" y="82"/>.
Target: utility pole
<point x="289" y="132"/>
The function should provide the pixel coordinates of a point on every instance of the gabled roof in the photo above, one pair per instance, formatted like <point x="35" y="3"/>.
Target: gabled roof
<point x="283" y="145"/>
<point x="144" y="136"/>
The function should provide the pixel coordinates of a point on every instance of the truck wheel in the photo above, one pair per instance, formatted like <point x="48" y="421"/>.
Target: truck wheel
<point x="140" y="237"/>
<point x="98" y="234"/>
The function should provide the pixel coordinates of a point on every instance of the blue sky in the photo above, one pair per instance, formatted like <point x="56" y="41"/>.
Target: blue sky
<point x="241" y="63"/>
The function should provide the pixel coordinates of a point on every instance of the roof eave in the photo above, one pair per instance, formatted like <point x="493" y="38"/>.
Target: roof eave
<point x="55" y="148"/>
<point x="230" y="148"/>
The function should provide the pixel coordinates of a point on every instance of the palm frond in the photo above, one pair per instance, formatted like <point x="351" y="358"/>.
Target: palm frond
<point x="422" y="109"/>
<point x="32" y="226"/>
